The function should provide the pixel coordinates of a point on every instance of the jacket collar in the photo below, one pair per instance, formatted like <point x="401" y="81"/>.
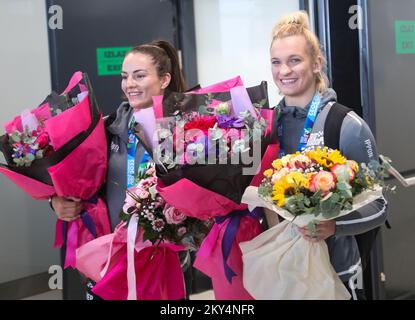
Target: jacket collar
<point x="298" y="112"/>
<point x="119" y="127"/>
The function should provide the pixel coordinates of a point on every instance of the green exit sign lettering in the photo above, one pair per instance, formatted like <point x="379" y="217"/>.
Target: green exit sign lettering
<point x="109" y="60"/>
<point x="405" y="36"/>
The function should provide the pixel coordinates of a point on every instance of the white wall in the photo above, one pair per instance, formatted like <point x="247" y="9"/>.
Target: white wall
<point x="26" y="226"/>
<point x="233" y="38"/>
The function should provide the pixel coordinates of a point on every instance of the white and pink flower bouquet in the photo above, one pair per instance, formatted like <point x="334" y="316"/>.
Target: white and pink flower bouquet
<point x="160" y="221"/>
<point x="304" y="189"/>
<point x="140" y="260"/>
<point x="45" y="150"/>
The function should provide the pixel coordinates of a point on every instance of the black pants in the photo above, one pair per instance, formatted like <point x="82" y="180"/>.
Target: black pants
<point x="89" y="294"/>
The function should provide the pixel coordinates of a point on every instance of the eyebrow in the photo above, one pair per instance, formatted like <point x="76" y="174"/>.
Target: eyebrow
<point x="289" y="57"/>
<point x="135" y="71"/>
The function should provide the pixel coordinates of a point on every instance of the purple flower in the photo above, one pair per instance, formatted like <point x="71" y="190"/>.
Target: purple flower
<point x="225" y="121"/>
<point x="239" y="123"/>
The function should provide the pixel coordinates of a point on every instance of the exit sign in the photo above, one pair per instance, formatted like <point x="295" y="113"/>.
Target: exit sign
<point x="109" y="60"/>
<point x="405" y="36"/>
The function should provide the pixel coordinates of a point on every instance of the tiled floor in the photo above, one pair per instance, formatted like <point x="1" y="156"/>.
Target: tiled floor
<point x="50" y="295"/>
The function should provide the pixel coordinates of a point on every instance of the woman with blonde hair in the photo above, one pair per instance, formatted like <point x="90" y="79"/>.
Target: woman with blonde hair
<point x="308" y="108"/>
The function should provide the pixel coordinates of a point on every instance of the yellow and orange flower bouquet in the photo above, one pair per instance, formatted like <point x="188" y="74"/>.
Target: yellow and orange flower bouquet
<point x="304" y="189"/>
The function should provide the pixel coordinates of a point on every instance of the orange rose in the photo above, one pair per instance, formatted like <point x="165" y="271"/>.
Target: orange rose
<point x="353" y="164"/>
<point x="342" y="167"/>
<point x="323" y="180"/>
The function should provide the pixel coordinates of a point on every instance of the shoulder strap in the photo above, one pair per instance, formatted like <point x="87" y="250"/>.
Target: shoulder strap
<point x="332" y="128"/>
<point x="274" y="125"/>
<point x="333" y="124"/>
<point x="108" y="120"/>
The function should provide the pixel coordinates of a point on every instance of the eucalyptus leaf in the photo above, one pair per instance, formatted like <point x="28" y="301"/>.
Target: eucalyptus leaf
<point x="343" y="186"/>
<point x="18" y="161"/>
<point x="29" y="157"/>
<point x="311" y="226"/>
<point x="348" y="206"/>
<point x="335" y="197"/>
<point x="346" y="193"/>
<point x="15" y="136"/>
<point x="39" y="154"/>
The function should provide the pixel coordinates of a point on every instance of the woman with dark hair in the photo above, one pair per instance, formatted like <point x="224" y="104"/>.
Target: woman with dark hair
<point x="147" y="71"/>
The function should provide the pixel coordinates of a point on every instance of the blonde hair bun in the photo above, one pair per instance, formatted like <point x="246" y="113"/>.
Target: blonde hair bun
<point x="293" y="21"/>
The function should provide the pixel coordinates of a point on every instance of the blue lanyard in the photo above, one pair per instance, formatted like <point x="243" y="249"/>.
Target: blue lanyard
<point x="308" y="125"/>
<point x="131" y="154"/>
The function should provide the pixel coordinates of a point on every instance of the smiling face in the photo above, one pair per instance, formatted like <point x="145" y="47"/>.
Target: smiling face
<point x="140" y="81"/>
<point x="294" y="70"/>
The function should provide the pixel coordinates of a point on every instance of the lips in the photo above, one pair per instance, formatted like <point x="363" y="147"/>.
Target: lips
<point x="134" y="94"/>
<point x="287" y="82"/>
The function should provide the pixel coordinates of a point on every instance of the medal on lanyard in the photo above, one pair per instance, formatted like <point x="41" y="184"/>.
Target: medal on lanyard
<point x="131" y="147"/>
<point x="308" y="125"/>
<point x="131" y="154"/>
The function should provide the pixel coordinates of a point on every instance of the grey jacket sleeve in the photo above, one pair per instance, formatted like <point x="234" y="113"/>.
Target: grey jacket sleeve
<point x="357" y="143"/>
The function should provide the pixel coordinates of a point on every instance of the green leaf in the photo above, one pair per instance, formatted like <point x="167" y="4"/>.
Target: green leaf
<point x="311" y="226"/>
<point x="15" y="136"/>
<point x="346" y="194"/>
<point x="18" y="161"/>
<point x="335" y="197"/>
<point x="348" y="206"/>
<point x="343" y="186"/>
<point x="206" y="111"/>
<point x="39" y="154"/>
<point x="30" y="157"/>
<point x="334" y="212"/>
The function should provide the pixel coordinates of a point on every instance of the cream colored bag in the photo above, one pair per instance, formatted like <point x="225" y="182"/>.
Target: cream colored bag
<point x="280" y="264"/>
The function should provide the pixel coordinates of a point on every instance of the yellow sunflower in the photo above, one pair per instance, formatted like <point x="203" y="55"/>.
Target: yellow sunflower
<point x="336" y="158"/>
<point x="279" y="198"/>
<point x="296" y="179"/>
<point x="280" y="187"/>
<point x="325" y="158"/>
